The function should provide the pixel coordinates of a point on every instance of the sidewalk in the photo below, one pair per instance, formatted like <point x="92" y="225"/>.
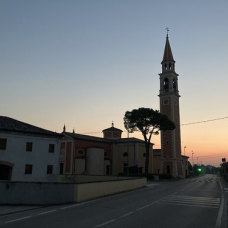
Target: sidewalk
<point x="9" y="209"/>
<point x="224" y="186"/>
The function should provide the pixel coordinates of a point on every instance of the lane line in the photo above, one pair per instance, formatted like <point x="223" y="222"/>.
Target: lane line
<point x="130" y="213"/>
<point x="220" y="212"/>
<point x="105" y="223"/>
<point x="74" y="205"/>
<point x="151" y="185"/>
<point x="192" y="205"/>
<point x="127" y="214"/>
<point x="46" y="212"/>
<point x="14" y="220"/>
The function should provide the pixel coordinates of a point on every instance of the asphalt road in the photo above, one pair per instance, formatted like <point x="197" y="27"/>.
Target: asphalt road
<point x="195" y="202"/>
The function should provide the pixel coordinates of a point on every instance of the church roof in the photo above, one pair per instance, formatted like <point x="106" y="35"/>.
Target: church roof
<point x="112" y="129"/>
<point x="8" y="124"/>
<point x="86" y="137"/>
<point x="168" y="56"/>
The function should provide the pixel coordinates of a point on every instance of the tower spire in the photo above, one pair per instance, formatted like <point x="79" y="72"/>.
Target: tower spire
<point x="168" y="56"/>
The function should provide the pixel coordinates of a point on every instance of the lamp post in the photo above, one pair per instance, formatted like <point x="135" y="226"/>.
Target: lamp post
<point x="184" y="149"/>
<point x="192" y="158"/>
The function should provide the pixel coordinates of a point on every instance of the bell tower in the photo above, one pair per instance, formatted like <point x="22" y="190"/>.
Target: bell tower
<point x="171" y="162"/>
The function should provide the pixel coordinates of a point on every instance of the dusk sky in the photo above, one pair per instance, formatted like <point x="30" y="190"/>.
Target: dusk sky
<point x="85" y="63"/>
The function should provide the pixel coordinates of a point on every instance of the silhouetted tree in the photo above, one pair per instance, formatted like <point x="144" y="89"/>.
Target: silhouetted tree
<point x="149" y="122"/>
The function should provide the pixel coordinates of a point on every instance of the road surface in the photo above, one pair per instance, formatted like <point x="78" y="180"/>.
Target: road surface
<point x="194" y="202"/>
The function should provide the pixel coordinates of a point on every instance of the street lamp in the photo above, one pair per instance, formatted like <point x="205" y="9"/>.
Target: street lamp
<point x="184" y="149"/>
<point x="192" y="158"/>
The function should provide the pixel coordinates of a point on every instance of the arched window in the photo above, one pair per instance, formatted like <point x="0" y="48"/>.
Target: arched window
<point x="166" y="84"/>
<point x="165" y="66"/>
<point x="174" y="84"/>
<point x="170" y="66"/>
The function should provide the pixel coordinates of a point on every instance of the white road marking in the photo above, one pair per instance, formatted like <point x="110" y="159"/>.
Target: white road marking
<point x="128" y="213"/>
<point x="192" y="201"/>
<point x="18" y="219"/>
<point x="151" y="185"/>
<point x="105" y="223"/>
<point x="74" y="205"/>
<point x="192" y="205"/>
<point x="219" y="217"/>
<point x="46" y="212"/>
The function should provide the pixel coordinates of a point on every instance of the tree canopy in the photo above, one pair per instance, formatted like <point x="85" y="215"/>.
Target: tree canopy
<point x="148" y="122"/>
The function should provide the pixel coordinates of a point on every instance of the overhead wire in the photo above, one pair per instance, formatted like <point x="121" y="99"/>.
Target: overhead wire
<point x="184" y="124"/>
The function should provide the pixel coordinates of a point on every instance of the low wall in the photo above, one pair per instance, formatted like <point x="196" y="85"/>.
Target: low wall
<point x="43" y="193"/>
<point x="87" y="191"/>
<point x="36" y="193"/>
<point x="89" y="178"/>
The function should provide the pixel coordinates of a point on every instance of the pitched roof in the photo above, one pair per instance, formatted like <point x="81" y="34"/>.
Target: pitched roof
<point x="98" y="139"/>
<point x="132" y="139"/>
<point x="8" y="124"/>
<point x="112" y="129"/>
<point x="168" y="56"/>
<point x="86" y="137"/>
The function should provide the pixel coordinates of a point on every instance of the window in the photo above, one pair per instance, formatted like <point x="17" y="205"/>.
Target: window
<point x="174" y="84"/>
<point x="49" y="169"/>
<point x="144" y="154"/>
<point x="166" y="84"/>
<point x="61" y="166"/>
<point x="125" y="154"/>
<point x="3" y="144"/>
<point x="51" y="148"/>
<point x="29" y="146"/>
<point x="165" y="101"/>
<point x="28" y="169"/>
<point x="80" y="152"/>
<point x="105" y="154"/>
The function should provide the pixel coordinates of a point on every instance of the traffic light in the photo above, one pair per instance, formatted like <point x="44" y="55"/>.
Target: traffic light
<point x="199" y="170"/>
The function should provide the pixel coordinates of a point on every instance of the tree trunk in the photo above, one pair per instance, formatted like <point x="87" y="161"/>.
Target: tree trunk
<point x="147" y="158"/>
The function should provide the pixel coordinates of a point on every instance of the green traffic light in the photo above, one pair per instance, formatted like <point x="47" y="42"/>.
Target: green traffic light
<point x="199" y="170"/>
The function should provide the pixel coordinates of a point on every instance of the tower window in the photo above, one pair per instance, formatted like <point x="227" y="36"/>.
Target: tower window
<point x="165" y="101"/>
<point x="174" y="84"/>
<point x="170" y="66"/>
<point x="166" y="84"/>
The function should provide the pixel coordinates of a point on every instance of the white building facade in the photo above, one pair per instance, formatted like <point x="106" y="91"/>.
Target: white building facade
<point x="27" y="153"/>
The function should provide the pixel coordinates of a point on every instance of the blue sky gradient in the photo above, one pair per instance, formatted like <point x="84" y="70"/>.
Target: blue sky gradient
<point x="84" y="63"/>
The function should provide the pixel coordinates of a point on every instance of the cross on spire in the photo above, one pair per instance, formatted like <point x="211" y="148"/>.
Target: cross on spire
<point x="167" y="30"/>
